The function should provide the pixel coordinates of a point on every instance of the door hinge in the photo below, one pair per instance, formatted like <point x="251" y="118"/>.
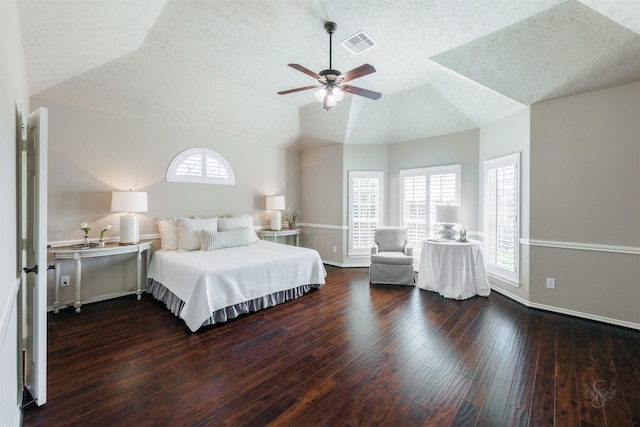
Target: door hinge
<point x="33" y="269"/>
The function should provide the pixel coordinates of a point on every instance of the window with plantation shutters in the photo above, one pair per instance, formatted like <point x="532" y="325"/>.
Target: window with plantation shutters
<point x="200" y="165"/>
<point x="365" y="210"/>
<point x="501" y="216"/>
<point x="420" y="191"/>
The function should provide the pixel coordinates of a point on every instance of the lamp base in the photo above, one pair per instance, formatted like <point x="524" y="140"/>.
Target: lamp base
<point x="129" y="232"/>
<point x="447" y="232"/>
<point x="276" y="221"/>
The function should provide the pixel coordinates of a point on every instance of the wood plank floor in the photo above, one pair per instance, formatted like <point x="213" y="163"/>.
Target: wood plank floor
<point x="348" y="354"/>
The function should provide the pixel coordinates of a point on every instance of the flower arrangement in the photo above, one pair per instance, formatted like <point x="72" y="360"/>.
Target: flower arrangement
<point x="85" y="228"/>
<point x="104" y="230"/>
<point x="291" y="217"/>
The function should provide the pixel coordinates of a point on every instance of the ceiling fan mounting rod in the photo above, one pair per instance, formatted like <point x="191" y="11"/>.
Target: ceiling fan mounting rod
<point x="330" y="27"/>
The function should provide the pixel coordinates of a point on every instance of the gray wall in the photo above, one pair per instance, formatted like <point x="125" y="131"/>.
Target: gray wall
<point x="585" y="194"/>
<point x="13" y="92"/>
<point x="322" y="201"/>
<point x="456" y="148"/>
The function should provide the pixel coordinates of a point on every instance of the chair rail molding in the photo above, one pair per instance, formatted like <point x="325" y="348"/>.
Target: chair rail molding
<point x="328" y="226"/>
<point x="582" y="246"/>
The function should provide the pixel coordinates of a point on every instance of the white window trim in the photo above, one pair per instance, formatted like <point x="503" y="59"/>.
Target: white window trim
<point x="511" y="277"/>
<point x="428" y="171"/>
<point x="203" y="178"/>
<point x="366" y="252"/>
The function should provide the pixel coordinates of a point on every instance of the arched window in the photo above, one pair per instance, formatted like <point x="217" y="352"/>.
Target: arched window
<point x="200" y="165"/>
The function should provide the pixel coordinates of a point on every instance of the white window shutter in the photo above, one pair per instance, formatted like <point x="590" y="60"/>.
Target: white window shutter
<point x="365" y="210"/>
<point x="501" y="216"/>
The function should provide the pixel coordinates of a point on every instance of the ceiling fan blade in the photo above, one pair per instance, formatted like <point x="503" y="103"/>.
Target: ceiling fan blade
<point x="305" y="70"/>
<point x="362" y="92"/>
<point x="298" y="89"/>
<point x="357" y="72"/>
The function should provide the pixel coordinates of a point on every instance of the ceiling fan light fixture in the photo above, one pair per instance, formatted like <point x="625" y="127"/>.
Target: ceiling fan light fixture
<point x="320" y="94"/>
<point x="338" y="94"/>
<point x="329" y="95"/>
<point x="331" y="101"/>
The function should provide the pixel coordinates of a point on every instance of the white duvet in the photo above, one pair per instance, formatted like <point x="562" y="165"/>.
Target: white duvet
<point x="210" y="280"/>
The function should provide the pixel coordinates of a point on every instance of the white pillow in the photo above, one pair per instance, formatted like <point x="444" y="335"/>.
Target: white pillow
<point x="168" y="233"/>
<point x="212" y="240"/>
<point x="235" y="222"/>
<point x="188" y="232"/>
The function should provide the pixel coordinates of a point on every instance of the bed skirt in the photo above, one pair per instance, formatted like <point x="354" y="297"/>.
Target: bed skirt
<point x="175" y="304"/>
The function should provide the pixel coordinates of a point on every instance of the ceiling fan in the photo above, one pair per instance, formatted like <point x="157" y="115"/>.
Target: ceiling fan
<point x="332" y="81"/>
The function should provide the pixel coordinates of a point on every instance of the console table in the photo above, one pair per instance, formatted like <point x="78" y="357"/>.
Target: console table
<point x="454" y="270"/>
<point x="77" y="254"/>
<point x="284" y="232"/>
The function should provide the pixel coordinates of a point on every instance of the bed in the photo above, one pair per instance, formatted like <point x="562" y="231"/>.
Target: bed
<point x="204" y="287"/>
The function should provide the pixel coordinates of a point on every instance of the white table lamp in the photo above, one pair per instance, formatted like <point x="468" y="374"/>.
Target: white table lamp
<point x="129" y="201"/>
<point x="448" y="216"/>
<point x="275" y="204"/>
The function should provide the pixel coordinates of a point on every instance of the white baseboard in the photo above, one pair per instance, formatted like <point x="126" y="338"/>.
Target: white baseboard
<point x="561" y="310"/>
<point x="342" y="265"/>
<point x="70" y="303"/>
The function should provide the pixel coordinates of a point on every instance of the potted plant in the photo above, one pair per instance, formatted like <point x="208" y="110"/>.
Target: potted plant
<point x="291" y="217"/>
<point x="104" y="230"/>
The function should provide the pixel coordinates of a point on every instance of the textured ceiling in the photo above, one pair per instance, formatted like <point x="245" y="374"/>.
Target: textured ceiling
<point x="442" y="65"/>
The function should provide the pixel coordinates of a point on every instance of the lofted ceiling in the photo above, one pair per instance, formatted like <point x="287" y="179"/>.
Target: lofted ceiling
<point x="443" y="66"/>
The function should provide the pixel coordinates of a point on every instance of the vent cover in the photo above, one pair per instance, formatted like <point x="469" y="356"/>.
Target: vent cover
<point x="358" y="43"/>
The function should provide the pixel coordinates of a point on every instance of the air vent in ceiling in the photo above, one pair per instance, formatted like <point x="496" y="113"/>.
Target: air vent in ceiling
<point x="358" y="43"/>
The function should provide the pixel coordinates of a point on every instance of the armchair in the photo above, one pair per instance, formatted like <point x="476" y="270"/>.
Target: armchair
<point x="391" y="257"/>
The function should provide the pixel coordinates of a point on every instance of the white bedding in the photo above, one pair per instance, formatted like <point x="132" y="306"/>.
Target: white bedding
<point x="211" y="280"/>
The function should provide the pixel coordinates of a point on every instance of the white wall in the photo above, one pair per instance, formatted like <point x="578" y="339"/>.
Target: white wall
<point x="13" y="91"/>
<point x="92" y="153"/>
<point x="507" y="136"/>
<point x="585" y="193"/>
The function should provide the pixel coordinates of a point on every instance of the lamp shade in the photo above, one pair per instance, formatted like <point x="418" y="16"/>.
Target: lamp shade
<point x="275" y="203"/>
<point x="129" y="201"/>
<point x="447" y="214"/>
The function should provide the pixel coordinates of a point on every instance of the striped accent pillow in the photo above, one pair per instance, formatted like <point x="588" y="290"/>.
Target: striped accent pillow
<point x="212" y="240"/>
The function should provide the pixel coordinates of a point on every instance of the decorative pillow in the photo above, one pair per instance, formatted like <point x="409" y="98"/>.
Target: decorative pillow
<point x="168" y="233"/>
<point x="212" y="240"/>
<point x="235" y="222"/>
<point x="188" y="232"/>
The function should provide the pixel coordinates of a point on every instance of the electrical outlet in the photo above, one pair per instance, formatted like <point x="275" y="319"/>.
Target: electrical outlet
<point x="551" y="283"/>
<point x="335" y="249"/>
<point x="64" y="281"/>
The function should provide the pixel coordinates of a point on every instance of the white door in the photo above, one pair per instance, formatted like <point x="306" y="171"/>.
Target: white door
<point x="34" y="201"/>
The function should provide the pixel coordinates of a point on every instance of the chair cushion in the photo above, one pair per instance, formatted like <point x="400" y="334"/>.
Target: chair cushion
<point x="390" y="239"/>
<point x="393" y="258"/>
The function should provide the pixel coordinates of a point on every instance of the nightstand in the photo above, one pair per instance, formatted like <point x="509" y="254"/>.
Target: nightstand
<point x="273" y="235"/>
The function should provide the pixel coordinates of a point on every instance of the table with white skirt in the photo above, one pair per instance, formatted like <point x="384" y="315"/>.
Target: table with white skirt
<point x="453" y="269"/>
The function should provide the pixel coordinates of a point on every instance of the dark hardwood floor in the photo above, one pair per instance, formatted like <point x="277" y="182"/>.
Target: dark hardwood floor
<point x="348" y="354"/>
